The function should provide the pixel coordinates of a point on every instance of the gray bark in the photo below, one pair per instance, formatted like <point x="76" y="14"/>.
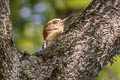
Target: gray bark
<point x="89" y="42"/>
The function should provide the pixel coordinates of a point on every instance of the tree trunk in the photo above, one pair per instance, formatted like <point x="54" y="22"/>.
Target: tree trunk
<point x="87" y="45"/>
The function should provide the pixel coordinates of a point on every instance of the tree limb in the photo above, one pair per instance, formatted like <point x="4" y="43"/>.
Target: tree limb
<point x="9" y="61"/>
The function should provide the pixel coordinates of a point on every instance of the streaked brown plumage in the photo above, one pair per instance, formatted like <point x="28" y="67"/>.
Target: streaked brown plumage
<point x="51" y="30"/>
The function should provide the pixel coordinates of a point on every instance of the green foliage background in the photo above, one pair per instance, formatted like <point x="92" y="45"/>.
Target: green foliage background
<point x="30" y="16"/>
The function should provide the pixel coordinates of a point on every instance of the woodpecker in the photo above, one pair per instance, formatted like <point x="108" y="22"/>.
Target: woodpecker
<point x="51" y="30"/>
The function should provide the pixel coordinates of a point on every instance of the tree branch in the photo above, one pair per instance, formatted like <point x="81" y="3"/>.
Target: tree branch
<point x="89" y="43"/>
<point x="9" y="60"/>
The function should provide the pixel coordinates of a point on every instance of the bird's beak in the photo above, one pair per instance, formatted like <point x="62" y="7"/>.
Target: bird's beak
<point x="67" y="19"/>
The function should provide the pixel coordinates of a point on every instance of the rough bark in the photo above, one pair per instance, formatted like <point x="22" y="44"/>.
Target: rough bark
<point x="9" y="60"/>
<point x="87" y="45"/>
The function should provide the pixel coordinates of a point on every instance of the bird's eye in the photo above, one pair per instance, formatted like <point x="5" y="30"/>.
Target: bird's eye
<point x="55" y="22"/>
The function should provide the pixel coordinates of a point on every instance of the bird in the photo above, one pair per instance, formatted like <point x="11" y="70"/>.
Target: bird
<point x="51" y="30"/>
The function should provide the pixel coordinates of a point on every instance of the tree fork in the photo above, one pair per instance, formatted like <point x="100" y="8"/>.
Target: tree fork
<point x="89" y="43"/>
